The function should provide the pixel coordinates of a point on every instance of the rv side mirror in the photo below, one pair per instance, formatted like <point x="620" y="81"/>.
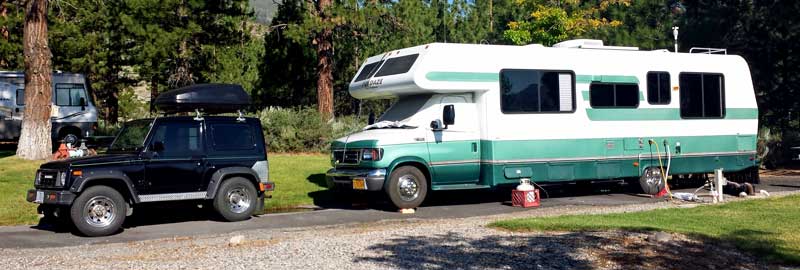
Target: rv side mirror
<point x="371" y="118"/>
<point x="436" y="125"/>
<point x="449" y="115"/>
<point x="83" y="104"/>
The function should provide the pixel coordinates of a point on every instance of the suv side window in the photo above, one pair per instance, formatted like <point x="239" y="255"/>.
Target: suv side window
<point x="180" y="139"/>
<point x="232" y="136"/>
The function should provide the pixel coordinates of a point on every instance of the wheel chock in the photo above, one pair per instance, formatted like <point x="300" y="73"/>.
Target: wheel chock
<point x="407" y="211"/>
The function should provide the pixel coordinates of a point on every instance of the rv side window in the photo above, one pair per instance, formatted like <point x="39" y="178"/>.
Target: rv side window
<point x="658" y="88"/>
<point x="70" y="94"/>
<point x="535" y="91"/>
<point x="397" y="65"/>
<point x="611" y="95"/>
<point x="702" y="95"/>
<point x="20" y="97"/>
<point x="368" y="70"/>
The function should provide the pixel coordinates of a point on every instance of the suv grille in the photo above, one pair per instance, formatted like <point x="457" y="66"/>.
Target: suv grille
<point x="347" y="156"/>
<point x="46" y="178"/>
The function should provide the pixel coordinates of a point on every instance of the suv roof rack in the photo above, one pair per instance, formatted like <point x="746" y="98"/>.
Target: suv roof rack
<point x="207" y="98"/>
<point x="708" y="50"/>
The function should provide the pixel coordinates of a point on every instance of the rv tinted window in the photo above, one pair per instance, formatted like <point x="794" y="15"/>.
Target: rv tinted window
<point x="532" y="91"/>
<point x="658" y="88"/>
<point x="20" y="97"/>
<point x="608" y="95"/>
<point x="232" y="137"/>
<point x="397" y="65"/>
<point x="368" y="70"/>
<point x="702" y="95"/>
<point x="70" y="94"/>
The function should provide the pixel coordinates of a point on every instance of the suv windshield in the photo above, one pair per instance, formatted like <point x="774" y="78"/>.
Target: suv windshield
<point x="131" y="136"/>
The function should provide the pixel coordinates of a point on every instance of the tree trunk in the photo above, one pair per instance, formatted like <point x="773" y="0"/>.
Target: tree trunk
<point x="35" y="141"/>
<point x="3" y="28"/>
<point x="153" y="94"/>
<point x="324" y="63"/>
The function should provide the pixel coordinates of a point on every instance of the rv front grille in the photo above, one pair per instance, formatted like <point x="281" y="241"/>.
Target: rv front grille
<point x="347" y="157"/>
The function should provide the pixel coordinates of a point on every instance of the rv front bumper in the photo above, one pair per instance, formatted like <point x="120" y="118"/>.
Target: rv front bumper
<point x="373" y="178"/>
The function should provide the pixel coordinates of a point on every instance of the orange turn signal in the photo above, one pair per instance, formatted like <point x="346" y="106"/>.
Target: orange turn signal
<point x="77" y="173"/>
<point x="635" y="164"/>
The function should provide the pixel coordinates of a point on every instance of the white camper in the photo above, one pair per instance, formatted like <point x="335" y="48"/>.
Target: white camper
<point x="479" y="116"/>
<point x="74" y="115"/>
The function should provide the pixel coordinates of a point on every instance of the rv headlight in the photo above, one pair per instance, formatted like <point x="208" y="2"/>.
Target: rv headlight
<point x="371" y="154"/>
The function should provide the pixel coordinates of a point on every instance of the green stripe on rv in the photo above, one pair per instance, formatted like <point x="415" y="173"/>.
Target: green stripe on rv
<point x="655" y="114"/>
<point x="606" y="79"/>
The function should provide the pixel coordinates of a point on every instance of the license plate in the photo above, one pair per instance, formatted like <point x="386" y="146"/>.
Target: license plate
<point x="39" y="197"/>
<point x="359" y="183"/>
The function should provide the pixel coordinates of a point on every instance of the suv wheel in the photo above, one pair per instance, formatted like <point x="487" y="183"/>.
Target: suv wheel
<point x="98" y="211"/>
<point x="236" y="199"/>
<point x="407" y="187"/>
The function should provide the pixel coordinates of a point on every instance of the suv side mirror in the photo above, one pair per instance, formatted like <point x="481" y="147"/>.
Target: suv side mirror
<point x="371" y="118"/>
<point x="449" y="115"/>
<point x="157" y="146"/>
<point x="83" y="104"/>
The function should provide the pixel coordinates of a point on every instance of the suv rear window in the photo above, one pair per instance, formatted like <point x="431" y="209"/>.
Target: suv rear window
<point x="229" y="137"/>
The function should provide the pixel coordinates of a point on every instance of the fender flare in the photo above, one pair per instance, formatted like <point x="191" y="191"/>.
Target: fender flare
<point x="224" y="173"/>
<point x="408" y="159"/>
<point x="105" y="175"/>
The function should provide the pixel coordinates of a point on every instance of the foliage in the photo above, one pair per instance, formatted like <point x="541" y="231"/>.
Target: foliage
<point x="303" y="130"/>
<point x="763" y="226"/>
<point x="130" y="107"/>
<point x="551" y="24"/>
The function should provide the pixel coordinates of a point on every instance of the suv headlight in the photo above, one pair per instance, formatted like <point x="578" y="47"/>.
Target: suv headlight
<point x="371" y="154"/>
<point x="62" y="179"/>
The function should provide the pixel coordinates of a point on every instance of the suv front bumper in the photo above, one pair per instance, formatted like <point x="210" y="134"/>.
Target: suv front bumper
<point x="373" y="178"/>
<point x="43" y="196"/>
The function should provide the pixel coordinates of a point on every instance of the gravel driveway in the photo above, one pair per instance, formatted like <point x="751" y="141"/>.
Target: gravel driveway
<point x="464" y="243"/>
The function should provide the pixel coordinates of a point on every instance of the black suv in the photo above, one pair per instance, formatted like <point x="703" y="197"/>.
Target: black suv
<point x="220" y="159"/>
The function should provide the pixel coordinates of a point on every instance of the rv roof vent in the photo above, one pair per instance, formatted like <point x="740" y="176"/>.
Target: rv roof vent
<point x="708" y="50"/>
<point x="661" y="50"/>
<point x="590" y="44"/>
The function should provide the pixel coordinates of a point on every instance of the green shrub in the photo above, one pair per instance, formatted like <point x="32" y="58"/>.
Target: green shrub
<point x="302" y="129"/>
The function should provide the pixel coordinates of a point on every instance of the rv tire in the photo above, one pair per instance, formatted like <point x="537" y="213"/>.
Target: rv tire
<point x="651" y="180"/>
<point x="407" y="187"/>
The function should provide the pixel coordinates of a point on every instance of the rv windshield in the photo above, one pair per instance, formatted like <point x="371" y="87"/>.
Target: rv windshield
<point x="405" y="108"/>
<point x="131" y="137"/>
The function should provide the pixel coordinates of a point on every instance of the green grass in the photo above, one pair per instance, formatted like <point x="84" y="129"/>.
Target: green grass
<point x="16" y="177"/>
<point x="299" y="180"/>
<point x="768" y="227"/>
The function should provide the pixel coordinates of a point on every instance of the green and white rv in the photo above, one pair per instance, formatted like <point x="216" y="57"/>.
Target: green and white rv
<point x="472" y="116"/>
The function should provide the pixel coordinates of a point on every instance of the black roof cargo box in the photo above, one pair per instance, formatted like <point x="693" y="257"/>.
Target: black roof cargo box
<point x="208" y="98"/>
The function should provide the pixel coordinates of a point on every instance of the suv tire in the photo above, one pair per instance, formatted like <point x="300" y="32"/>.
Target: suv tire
<point x="407" y="187"/>
<point x="98" y="211"/>
<point x="236" y="199"/>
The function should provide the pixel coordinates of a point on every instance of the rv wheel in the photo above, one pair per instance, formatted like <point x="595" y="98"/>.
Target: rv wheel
<point x="407" y="187"/>
<point x="651" y="180"/>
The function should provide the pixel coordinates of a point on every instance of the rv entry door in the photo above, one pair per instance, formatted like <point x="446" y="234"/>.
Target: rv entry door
<point x="455" y="151"/>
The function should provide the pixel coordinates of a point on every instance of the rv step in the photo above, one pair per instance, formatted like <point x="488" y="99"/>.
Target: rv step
<point x="459" y="187"/>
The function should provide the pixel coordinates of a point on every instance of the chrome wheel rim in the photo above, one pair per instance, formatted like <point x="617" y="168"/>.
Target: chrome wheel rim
<point x="408" y="187"/>
<point x="238" y="200"/>
<point x="100" y="211"/>
<point x="653" y="177"/>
